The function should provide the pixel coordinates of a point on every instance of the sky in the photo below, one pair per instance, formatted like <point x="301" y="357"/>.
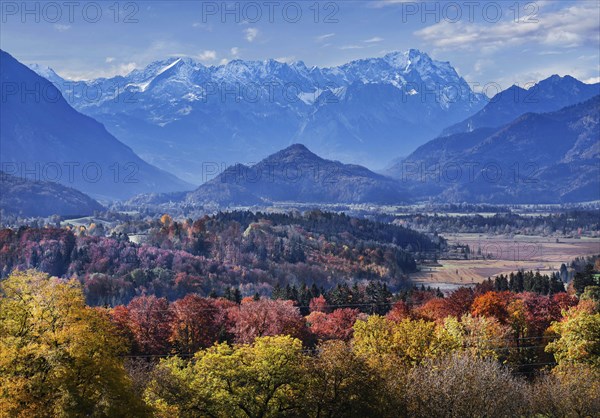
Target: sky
<point x="503" y="42"/>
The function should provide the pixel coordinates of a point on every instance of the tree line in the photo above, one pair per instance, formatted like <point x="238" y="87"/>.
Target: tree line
<point x="203" y="357"/>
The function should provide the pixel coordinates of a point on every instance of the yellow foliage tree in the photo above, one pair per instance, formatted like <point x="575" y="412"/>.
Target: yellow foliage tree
<point x="405" y="343"/>
<point x="579" y="338"/>
<point x="166" y="220"/>
<point x="478" y="335"/>
<point x="262" y="379"/>
<point x="340" y="384"/>
<point x="58" y="357"/>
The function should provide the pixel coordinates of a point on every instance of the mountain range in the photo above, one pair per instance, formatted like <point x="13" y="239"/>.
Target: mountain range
<point x="180" y="115"/>
<point x="549" y="157"/>
<point x="548" y="95"/>
<point x="525" y="146"/>
<point x="44" y="138"/>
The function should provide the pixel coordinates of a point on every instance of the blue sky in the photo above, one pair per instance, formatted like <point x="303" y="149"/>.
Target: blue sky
<point x="504" y="42"/>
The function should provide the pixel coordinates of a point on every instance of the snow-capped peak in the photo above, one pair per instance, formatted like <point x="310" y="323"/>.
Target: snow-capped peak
<point x="45" y="71"/>
<point x="165" y="89"/>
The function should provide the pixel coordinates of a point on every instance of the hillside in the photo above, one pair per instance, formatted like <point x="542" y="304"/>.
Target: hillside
<point x="42" y="198"/>
<point x="253" y="252"/>
<point x="537" y="158"/>
<point x="41" y="132"/>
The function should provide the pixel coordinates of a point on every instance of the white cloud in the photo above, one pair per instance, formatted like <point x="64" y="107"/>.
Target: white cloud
<point x="482" y="64"/>
<point x="223" y="61"/>
<point x="345" y="47"/>
<point x="374" y="39"/>
<point x="234" y="51"/>
<point x="207" y="55"/>
<point x="109" y="59"/>
<point x="126" y="68"/>
<point x="569" y="27"/>
<point x="62" y="28"/>
<point x="286" y="59"/>
<point x="592" y="80"/>
<point x="203" y="26"/>
<point x="321" y="38"/>
<point x="250" y="34"/>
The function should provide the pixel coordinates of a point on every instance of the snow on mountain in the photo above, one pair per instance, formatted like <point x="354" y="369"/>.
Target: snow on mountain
<point x="180" y="114"/>
<point x="46" y="139"/>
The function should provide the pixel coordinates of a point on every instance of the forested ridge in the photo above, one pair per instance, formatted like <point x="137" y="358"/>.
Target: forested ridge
<point x="252" y="252"/>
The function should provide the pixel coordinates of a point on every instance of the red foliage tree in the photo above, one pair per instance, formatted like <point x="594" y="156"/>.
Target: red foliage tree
<point x="433" y="310"/>
<point x="492" y="304"/>
<point x="459" y="302"/>
<point x="318" y="304"/>
<point x="399" y="312"/>
<point x="540" y="311"/>
<point x="195" y="323"/>
<point x="267" y="317"/>
<point x="225" y="318"/>
<point x="564" y="301"/>
<point x="119" y="315"/>
<point x="149" y="320"/>
<point x="336" y="325"/>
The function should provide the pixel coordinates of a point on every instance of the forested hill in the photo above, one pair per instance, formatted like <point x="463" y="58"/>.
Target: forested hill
<point x="353" y="229"/>
<point x="250" y="252"/>
<point x="295" y="174"/>
<point x="25" y="197"/>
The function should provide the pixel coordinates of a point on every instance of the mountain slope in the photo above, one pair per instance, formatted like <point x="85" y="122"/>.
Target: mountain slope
<point x="548" y="95"/>
<point x="295" y="174"/>
<point x="537" y="158"/>
<point x="359" y="112"/>
<point x="42" y="133"/>
<point x="42" y="198"/>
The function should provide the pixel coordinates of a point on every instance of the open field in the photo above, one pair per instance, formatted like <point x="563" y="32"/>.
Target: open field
<point x="504" y="254"/>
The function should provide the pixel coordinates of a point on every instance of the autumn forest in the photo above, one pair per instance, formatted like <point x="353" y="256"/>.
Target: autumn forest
<point x="265" y="315"/>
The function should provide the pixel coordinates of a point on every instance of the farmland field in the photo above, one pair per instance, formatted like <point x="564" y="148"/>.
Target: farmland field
<point x="504" y="254"/>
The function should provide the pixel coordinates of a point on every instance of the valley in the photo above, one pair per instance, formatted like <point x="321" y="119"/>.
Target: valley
<point x="339" y="209"/>
<point x="502" y="254"/>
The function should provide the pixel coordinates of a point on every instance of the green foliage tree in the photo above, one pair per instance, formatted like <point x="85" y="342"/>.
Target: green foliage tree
<point x="592" y="293"/>
<point x="584" y="279"/>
